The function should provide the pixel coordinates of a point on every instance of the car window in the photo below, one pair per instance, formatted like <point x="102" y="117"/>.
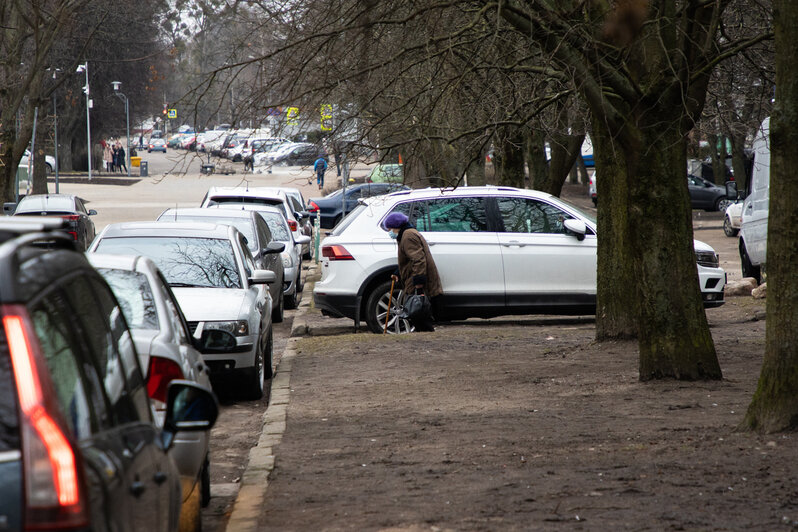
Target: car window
<point x="524" y="215"/>
<point x="133" y="291"/>
<point x="277" y="226"/>
<point x="64" y="359"/>
<point x="262" y="228"/>
<point x="203" y="262"/>
<point x="457" y="215"/>
<point x="175" y="315"/>
<point x="355" y="194"/>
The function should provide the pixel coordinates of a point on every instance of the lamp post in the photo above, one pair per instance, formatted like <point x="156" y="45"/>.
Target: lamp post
<point x="85" y="68"/>
<point x="116" y="85"/>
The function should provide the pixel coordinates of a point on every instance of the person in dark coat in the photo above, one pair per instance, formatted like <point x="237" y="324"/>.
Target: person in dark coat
<point x="121" y="158"/>
<point x="417" y="270"/>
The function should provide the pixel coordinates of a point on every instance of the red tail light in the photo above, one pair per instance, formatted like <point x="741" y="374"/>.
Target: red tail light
<point x="54" y="493"/>
<point x="336" y="253"/>
<point x="313" y="207"/>
<point x="292" y="225"/>
<point x="162" y="371"/>
<point x="71" y="217"/>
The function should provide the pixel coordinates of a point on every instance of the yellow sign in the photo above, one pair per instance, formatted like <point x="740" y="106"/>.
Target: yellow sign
<point x="172" y="113"/>
<point x="326" y="117"/>
<point x="291" y="115"/>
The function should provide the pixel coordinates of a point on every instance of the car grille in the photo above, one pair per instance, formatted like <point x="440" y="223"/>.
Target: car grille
<point x="192" y="326"/>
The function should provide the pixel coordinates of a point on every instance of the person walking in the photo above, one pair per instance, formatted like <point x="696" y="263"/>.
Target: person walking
<point x="120" y="163"/>
<point x="114" y="158"/>
<point x="417" y="271"/>
<point x="320" y="167"/>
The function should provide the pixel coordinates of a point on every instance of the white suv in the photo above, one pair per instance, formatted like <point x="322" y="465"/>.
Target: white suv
<point x="498" y="250"/>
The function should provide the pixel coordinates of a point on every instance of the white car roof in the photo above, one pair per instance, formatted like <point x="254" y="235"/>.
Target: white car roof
<point x="247" y="192"/>
<point x="203" y="212"/>
<point x="163" y="229"/>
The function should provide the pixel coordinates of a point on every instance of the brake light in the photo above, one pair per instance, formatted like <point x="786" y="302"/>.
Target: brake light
<point x="54" y="493"/>
<point x="292" y="225"/>
<point x="74" y="235"/>
<point x="336" y="253"/>
<point x="71" y="217"/>
<point x="313" y="207"/>
<point x="162" y="371"/>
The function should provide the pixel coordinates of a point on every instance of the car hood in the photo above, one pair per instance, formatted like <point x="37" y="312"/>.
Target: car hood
<point x="211" y="304"/>
<point x="702" y="246"/>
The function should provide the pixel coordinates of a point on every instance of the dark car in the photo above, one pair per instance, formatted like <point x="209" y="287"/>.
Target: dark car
<point x="330" y="209"/>
<point x="265" y="250"/>
<point x="67" y="206"/>
<point x="706" y="195"/>
<point x="302" y="154"/>
<point x="78" y="446"/>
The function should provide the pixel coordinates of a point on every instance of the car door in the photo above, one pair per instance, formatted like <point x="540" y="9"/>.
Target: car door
<point x="544" y="265"/>
<point x="701" y="196"/>
<point x="465" y="249"/>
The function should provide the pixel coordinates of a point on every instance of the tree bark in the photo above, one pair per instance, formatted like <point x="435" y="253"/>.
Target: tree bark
<point x="536" y="157"/>
<point x="564" y="150"/>
<point x="738" y="163"/>
<point x="509" y="157"/>
<point x="775" y="403"/>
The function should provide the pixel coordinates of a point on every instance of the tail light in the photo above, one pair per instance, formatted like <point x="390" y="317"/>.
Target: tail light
<point x="54" y="487"/>
<point x="292" y="225"/>
<point x="71" y="217"/>
<point x="336" y="253"/>
<point x="313" y="207"/>
<point x="162" y="371"/>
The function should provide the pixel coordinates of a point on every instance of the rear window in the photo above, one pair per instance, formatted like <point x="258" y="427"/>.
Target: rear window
<point x="9" y="421"/>
<point x="347" y="221"/>
<point x="42" y="204"/>
<point x="244" y="225"/>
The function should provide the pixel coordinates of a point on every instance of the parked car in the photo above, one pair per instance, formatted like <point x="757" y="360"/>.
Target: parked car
<point x="732" y="219"/>
<point x="189" y="142"/>
<point x="175" y="141"/>
<point x="262" y="196"/>
<point x="305" y="221"/>
<point x="265" y="251"/>
<point x="79" y="446"/>
<point x="213" y="275"/>
<point x="69" y="207"/>
<point x="386" y="173"/>
<point x="166" y="352"/>
<point x="259" y="147"/>
<point x="706" y="195"/>
<point x="300" y="154"/>
<point x="331" y="208"/>
<point x="266" y="156"/>
<point x="49" y="161"/>
<point x="156" y="145"/>
<point x="498" y="250"/>
<point x="281" y="232"/>
<point x="756" y="207"/>
<point x="591" y="189"/>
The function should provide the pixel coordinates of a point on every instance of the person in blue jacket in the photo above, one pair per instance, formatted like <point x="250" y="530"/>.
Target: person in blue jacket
<point x="320" y="166"/>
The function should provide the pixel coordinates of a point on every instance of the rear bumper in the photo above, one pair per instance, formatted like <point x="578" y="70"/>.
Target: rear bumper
<point x="334" y="305"/>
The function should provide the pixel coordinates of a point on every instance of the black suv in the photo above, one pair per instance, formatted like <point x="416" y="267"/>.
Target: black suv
<point x="78" y="448"/>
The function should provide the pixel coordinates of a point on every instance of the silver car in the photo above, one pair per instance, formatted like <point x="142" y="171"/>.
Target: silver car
<point x="292" y="255"/>
<point x="214" y="278"/>
<point x="166" y="352"/>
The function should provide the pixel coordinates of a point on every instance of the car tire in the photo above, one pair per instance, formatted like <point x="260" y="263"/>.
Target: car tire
<point x="749" y="270"/>
<point x="254" y="377"/>
<point x="595" y="202"/>
<point x="268" y="356"/>
<point x="48" y="169"/>
<point x="722" y="203"/>
<point x="377" y="306"/>
<point x="277" y="310"/>
<point x="728" y="230"/>
<point x="205" y="483"/>
<point x="300" y="285"/>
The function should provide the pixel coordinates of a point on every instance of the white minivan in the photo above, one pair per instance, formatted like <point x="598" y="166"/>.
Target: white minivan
<point x="754" y="222"/>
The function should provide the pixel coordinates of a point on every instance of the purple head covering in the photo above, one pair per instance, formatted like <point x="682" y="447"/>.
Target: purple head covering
<point x="395" y="220"/>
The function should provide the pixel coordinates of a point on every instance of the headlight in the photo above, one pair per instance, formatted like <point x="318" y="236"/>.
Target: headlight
<point x="237" y="328"/>
<point x="287" y="262"/>
<point x="707" y="258"/>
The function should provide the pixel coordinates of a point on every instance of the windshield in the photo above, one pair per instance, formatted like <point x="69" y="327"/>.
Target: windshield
<point x="132" y="289"/>
<point x="184" y="261"/>
<point x="578" y="210"/>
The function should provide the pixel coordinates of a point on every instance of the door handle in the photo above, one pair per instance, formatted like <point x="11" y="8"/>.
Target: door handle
<point x="513" y="243"/>
<point x="137" y="488"/>
<point x="160" y="477"/>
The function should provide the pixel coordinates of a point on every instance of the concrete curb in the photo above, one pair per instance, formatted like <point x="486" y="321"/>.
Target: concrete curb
<point x="248" y="504"/>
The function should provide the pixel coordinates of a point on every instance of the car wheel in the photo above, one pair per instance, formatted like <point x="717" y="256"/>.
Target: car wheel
<point x="205" y="483"/>
<point x="48" y="168"/>
<point x="728" y="229"/>
<point x="254" y="376"/>
<point x="277" y="310"/>
<point x="377" y="309"/>
<point x="722" y="203"/>
<point x="595" y="202"/>
<point x="749" y="270"/>
<point x="291" y="299"/>
<point x="300" y="284"/>
<point x="268" y="352"/>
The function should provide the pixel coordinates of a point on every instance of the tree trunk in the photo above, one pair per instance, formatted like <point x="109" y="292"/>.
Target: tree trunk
<point x="39" y="178"/>
<point x="584" y="178"/>
<point x="509" y="157"/>
<point x="775" y="403"/>
<point x="564" y="150"/>
<point x="616" y="299"/>
<point x="536" y="158"/>
<point x="673" y="332"/>
<point x="476" y="170"/>
<point x="738" y="163"/>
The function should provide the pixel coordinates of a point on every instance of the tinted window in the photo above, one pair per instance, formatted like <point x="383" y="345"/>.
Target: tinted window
<point x="204" y="262"/>
<point x="458" y="215"/>
<point x="9" y="422"/>
<point x="132" y="290"/>
<point x="45" y="203"/>
<point x="521" y="215"/>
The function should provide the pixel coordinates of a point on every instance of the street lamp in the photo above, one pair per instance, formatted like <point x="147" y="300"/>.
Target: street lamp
<point x="116" y="85"/>
<point x="85" y="68"/>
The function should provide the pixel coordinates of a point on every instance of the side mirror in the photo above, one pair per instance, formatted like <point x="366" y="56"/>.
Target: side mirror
<point x="8" y="208"/>
<point x="302" y="239"/>
<point x="731" y="190"/>
<point x="274" y="247"/>
<point x="262" y="277"/>
<point x="189" y="407"/>
<point x="301" y="214"/>
<point x="215" y="341"/>
<point x="92" y="212"/>
<point x="576" y="228"/>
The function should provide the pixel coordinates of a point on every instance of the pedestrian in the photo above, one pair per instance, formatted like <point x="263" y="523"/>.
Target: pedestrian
<point x="320" y="166"/>
<point x="121" y="162"/>
<point x="114" y="158"/>
<point x="417" y="271"/>
<point x="108" y="157"/>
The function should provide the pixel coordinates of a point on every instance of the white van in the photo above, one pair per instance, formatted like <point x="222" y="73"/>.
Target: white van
<point x="754" y="223"/>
